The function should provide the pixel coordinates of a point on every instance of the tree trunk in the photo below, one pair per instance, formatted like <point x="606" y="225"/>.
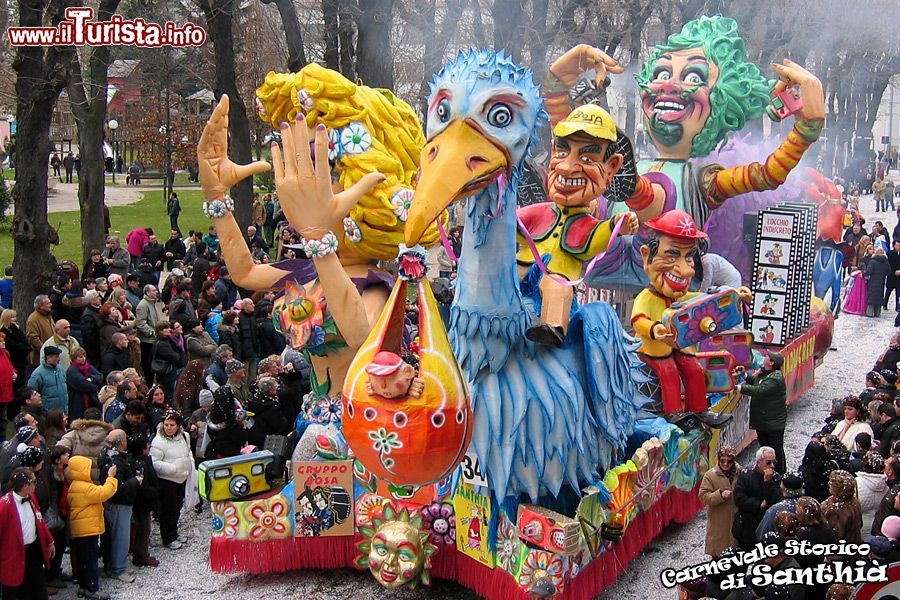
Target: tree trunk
<point x="219" y="19"/>
<point x="89" y="107"/>
<point x="330" y="34"/>
<point x="508" y="18"/>
<point x="374" y="58"/>
<point x="347" y="9"/>
<point x="293" y="34"/>
<point x="40" y="77"/>
<point x="436" y="38"/>
<point x="537" y="45"/>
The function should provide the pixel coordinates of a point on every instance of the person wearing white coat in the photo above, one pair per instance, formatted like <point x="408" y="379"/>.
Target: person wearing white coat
<point x="854" y="422"/>
<point x="871" y="486"/>
<point x="172" y="459"/>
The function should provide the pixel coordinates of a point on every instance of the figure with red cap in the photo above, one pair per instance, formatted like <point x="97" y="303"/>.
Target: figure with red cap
<point x="669" y="263"/>
<point x="391" y="377"/>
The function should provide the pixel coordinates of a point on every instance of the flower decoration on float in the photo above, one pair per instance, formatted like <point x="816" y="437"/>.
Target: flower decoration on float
<point x="368" y="507"/>
<point x="355" y="138"/>
<point x="440" y="520"/>
<point x="411" y="263"/>
<point x="304" y="320"/>
<point x="542" y="572"/>
<point x="352" y="231"/>
<point x="396" y="550"/>
<point x="226" y="519"/>
<point x="216" y="209"/>
<point x="268" y="519"/>
<point x="509" y="546"/>
<point x="402" y="201"/>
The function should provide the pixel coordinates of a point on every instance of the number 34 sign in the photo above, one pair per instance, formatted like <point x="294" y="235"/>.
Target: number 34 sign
<point x="471" y="470"/>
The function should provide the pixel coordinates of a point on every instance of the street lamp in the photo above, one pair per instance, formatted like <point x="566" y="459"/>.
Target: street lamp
<point x="113" y="125"/>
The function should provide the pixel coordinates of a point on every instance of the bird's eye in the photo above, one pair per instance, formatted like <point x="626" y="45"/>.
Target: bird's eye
<point x="499" y="115"/>
<point x="443" y="110"/>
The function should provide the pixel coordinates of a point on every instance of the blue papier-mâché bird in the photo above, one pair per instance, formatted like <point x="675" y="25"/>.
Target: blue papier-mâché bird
<point x="545" y="417"/>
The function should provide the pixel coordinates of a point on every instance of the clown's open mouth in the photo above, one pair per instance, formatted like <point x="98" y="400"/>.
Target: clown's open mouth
<point x="388" y="576"/>
<point x="670" y="109"/>
<point x="676" y="283"/>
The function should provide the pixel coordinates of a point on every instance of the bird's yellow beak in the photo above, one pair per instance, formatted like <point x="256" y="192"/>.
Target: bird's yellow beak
<point x="455" y="164"/>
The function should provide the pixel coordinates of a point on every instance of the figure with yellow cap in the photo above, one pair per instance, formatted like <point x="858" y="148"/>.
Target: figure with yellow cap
<point x="582" y="167"/>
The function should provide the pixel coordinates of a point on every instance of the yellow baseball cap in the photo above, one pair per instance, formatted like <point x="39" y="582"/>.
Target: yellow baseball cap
<point x="589" y="119"/>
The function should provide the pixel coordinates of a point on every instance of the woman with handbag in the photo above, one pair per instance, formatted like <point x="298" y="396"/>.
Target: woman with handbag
<point x="168" y="358"/>
<point x="171" y="452"/>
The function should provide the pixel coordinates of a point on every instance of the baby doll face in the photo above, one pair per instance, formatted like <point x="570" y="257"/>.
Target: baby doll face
<point x="394" y="385"/>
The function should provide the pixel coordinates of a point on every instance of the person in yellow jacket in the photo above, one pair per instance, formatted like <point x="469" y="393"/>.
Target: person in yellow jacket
<point x="86" y="521"/>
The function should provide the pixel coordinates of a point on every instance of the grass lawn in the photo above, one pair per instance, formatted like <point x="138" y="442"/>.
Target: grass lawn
<point x="149" y="212"/>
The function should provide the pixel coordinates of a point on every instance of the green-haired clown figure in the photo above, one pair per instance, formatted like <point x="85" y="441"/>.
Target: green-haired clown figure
<point x="695" y="89"/>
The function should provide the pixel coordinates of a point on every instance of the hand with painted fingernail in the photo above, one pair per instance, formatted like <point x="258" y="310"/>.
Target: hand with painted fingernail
<point x="218" y="173"/>
<point x="305" y="189"/>
<point x="811" y="91"/>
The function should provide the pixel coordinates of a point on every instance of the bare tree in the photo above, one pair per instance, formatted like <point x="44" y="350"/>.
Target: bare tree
<point x="292" y="33"/>
<point x="220" y="16"/>
<point x="41" y="75"/>
<point x="374" y="59"/>
<point x="88" y="99"/>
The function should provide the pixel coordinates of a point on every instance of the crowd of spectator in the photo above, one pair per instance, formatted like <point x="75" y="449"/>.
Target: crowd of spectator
<point x="117" y="385"/>
<point x="846" y="486"/>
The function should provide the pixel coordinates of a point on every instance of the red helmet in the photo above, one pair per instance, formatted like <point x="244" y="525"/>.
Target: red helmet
<point x="676" y="223"/>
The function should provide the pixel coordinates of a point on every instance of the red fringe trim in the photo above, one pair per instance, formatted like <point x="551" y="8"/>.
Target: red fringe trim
<point x="228" y="555"/>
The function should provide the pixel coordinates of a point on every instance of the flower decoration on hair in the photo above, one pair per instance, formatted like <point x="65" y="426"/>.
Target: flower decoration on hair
<point x="352" y="231"/>
<point x="216" y="209"/>
<point x="335" y="149"/>
<point x="305" y="100"/>
<point x="260" y="109"/>
<point x="402" y="200"/>
<point x="355" y="138"/>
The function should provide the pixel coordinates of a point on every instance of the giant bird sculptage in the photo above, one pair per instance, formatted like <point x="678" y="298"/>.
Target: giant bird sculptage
<point x="546" y="419"/>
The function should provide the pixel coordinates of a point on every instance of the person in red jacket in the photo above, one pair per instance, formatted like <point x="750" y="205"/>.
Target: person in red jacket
<point x="26" y="544"/>
<point x="8" y="376"/>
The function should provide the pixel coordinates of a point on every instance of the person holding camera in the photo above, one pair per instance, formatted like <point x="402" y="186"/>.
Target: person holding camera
<point x="86" y="521"/>
<point x="119" y="508"/>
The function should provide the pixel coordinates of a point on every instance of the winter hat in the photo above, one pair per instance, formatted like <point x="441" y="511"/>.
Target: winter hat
<point x="51" y="351"/>
<point x="206" y="398"/>
<point x="890" y="528"/>
<point x="890" y="377"/>
<point x="233" y="366"/>
<point x="191" y="323"/>
<point x="31" y="457"/>
<point x="26" y="434"/>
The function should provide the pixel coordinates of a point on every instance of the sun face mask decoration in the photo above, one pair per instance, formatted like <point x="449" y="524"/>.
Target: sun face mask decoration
<point x="396" y="549"/>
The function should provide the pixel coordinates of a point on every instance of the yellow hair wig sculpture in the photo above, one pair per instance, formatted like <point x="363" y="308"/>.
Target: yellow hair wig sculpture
<point x="368" y="130"/>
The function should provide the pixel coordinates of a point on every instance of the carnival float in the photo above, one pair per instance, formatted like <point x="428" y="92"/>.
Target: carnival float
<point x="526" y="443"/>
